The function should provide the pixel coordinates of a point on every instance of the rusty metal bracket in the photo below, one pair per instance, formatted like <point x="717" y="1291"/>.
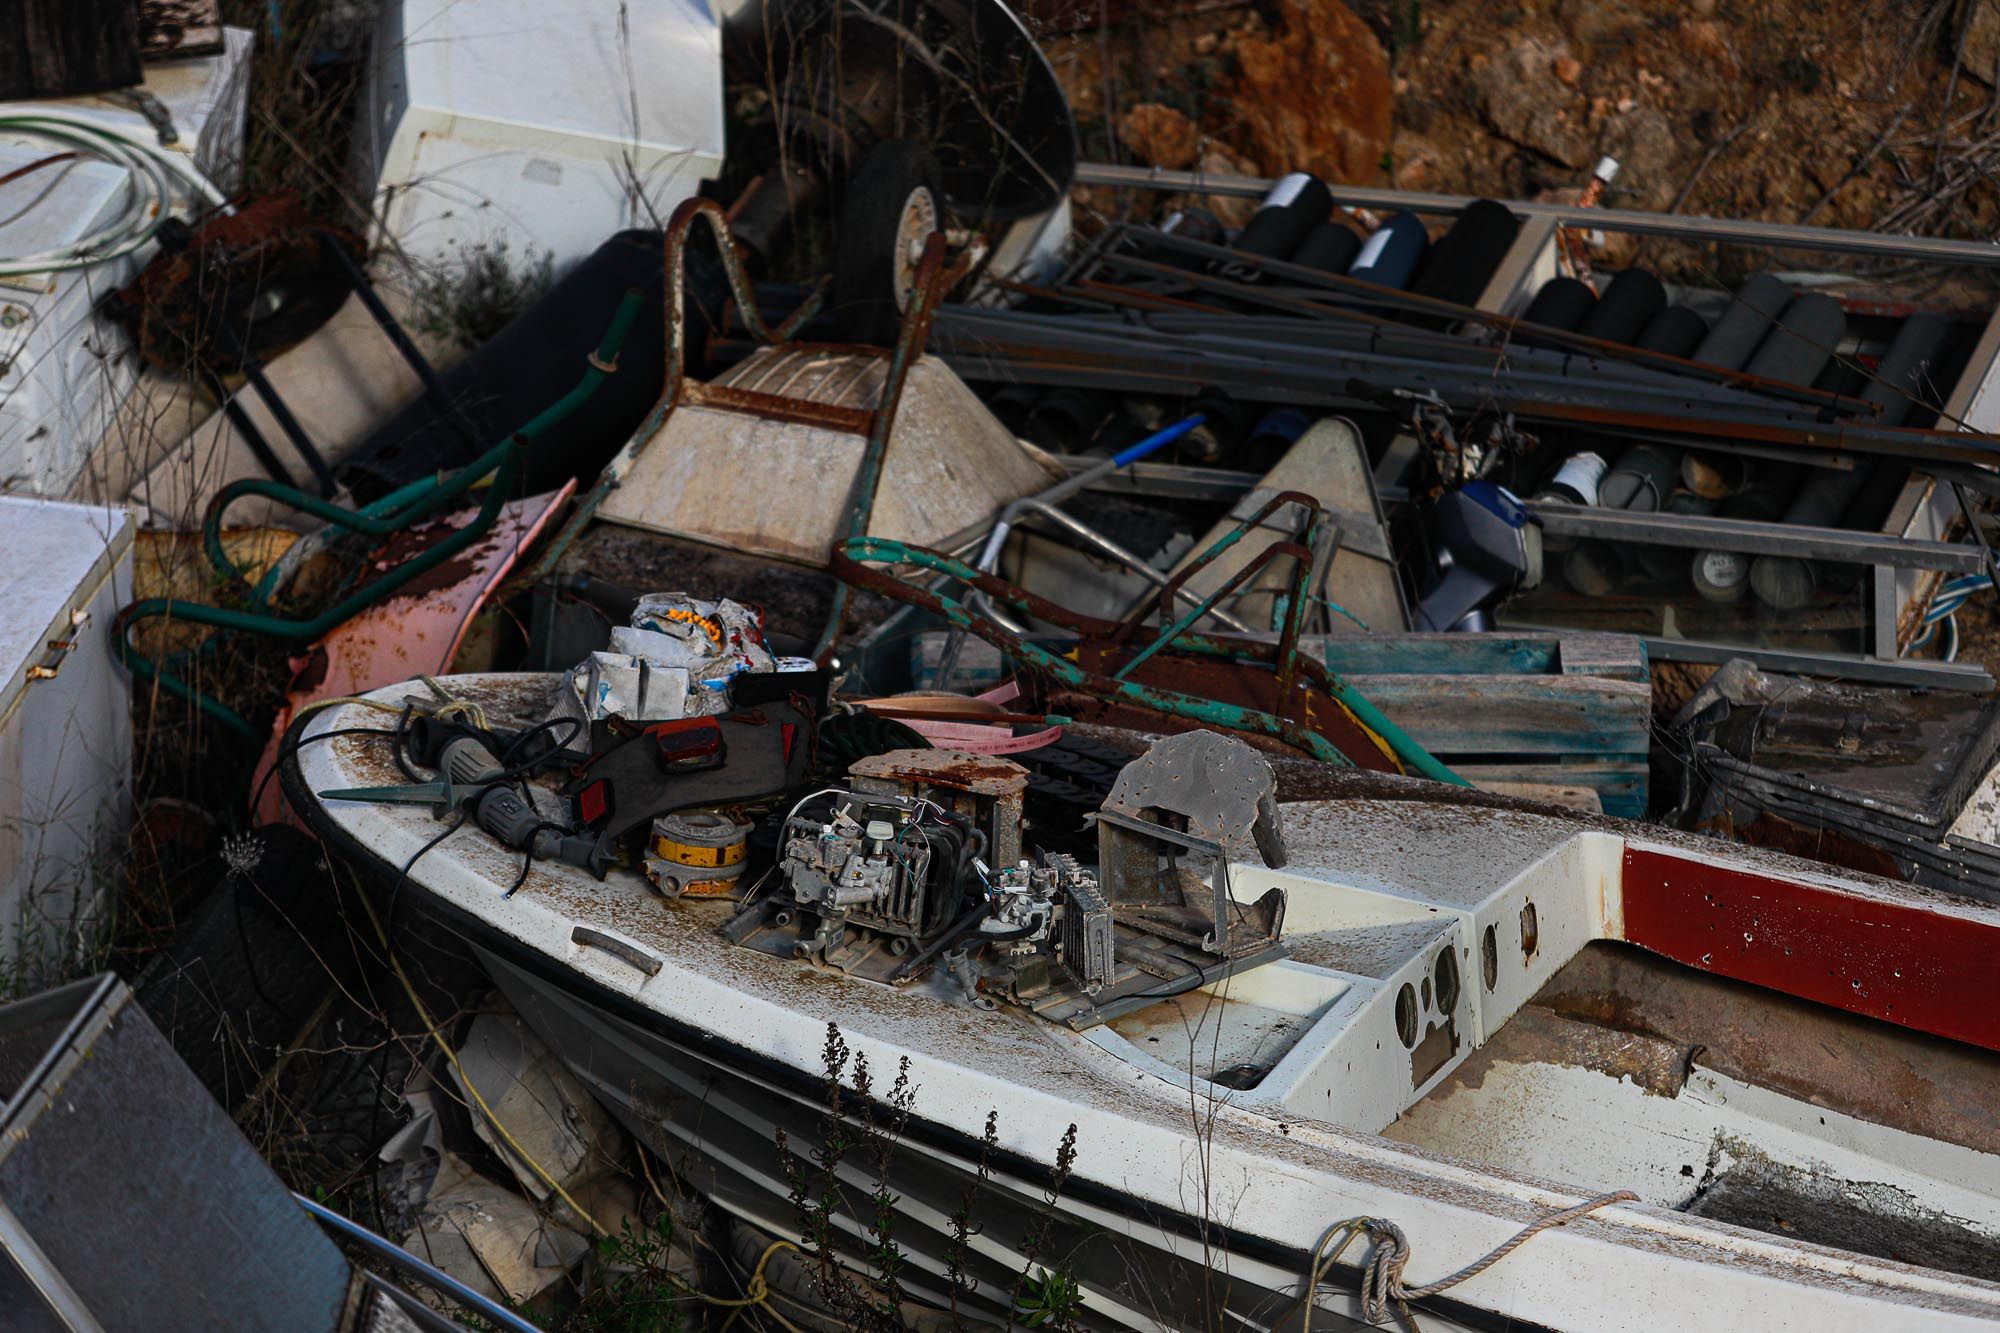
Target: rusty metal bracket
<point x="934" y="278"/>
<point x="679" y="228"/>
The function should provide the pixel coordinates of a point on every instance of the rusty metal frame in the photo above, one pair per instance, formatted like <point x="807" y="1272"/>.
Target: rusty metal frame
<point x="1305" y="561"/>
<point x="852" y="562"/>
<point x="803" y="411"/>
<point x="935" y="276"/>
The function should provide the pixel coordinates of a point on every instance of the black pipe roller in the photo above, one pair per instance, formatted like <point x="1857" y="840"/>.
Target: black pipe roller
<point x="1738" y="337"/>
<point x="1294" y="206"/>
<point x="1799" y="345"/>
<point x="1329" y="247"/>
<point x="1628" y="304"/>
<point x="1676" y="331"/>
<point x="1562" y="303"/>
<point x="1461" y="264"/>
<point x="1787" y="582"/>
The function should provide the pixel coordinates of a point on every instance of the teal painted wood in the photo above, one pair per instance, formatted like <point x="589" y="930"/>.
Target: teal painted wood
<point x="1515" y="715"/>
<point x="1563" y="709"/>
<point x="1437" y="654"/>
<point x="1617" y="656"/>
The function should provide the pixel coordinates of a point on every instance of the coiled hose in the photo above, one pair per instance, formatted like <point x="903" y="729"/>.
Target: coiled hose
<point x="157" y="175"/>
<point x="498" y="467"/>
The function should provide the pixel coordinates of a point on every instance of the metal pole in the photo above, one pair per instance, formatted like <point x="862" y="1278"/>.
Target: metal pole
<point x="1677" y="225"/>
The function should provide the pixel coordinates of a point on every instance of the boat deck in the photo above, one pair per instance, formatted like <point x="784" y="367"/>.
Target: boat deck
<point x="1436" y="1046"/>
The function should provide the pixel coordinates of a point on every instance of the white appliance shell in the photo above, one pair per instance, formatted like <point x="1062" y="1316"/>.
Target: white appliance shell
<point x="543" y="125"/>
<point x="64" y="371"/>
<point x="65" y="737"/>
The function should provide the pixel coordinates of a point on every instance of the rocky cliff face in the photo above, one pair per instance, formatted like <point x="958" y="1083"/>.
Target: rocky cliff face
<point x="1858" y="113"/>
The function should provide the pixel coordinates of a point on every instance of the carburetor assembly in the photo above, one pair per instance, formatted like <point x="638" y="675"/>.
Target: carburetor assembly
<point x="921" y="866"/>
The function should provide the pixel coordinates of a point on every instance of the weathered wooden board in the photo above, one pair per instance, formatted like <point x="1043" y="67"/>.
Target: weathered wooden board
<point x="1530" y="708"/>
<point x="1621" y="782"/>
<point x="1515" y="715"/>
<point x="55" y="48"/>
<point x="1617" y="656"/>
<point x="1614" y="656"/>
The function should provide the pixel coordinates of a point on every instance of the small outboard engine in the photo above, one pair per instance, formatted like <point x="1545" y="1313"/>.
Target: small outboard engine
<point x="1488" y="546"/>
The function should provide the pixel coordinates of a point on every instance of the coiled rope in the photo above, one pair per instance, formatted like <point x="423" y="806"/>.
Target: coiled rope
<point x="1382" y="1285"/>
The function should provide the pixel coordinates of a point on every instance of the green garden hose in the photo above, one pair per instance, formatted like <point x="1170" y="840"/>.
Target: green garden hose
<point x="392" y="514"/>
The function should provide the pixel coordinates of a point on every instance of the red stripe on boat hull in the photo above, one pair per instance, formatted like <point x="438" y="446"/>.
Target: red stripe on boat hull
<point x="1926" y="970"/>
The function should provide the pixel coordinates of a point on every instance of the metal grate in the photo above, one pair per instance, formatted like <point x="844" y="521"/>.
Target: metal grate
<point x="1085" y="937"/>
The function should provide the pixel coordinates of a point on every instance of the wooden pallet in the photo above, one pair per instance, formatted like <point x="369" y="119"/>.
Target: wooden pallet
<point x="1552" y="709"/>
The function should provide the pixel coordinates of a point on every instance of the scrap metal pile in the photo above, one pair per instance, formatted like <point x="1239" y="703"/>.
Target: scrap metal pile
<point x="897" y="566"/>
<point x="1419" y="499"/>
<point x="994" y="587"/>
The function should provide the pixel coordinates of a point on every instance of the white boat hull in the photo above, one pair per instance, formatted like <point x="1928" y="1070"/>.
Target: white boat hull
<point x="1182" y="1210"/>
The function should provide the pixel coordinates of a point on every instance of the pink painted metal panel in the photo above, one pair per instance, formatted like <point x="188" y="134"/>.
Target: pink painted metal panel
<point x="416" y="632"/>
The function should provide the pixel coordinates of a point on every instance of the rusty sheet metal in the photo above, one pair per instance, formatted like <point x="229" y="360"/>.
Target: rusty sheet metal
<point x="804" y="412"/>
<point x="1937" y="971"/>
<point x="418" y="631"/>
<point x="984" y="788"/>
<point x="1845" y="1063"/>
<point x="955" y="769"/>
<point x="766" y="482"/>
<point x="1831" y="846"/>
<point x="1246" y="685"/>
<point x="180" y="306"/>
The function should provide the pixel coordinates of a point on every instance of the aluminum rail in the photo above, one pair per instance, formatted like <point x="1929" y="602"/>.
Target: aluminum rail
<point x="1343" y="292"/>
<point x="1708" y="532"/>
<point x="1296" y="338"/>
<point x="989" y="558"/>
<point x="1676" y="225"/>
<point x="1579" y="374"/>
<point x="429" y="1274"/>
<point x="1915" y="672"/>
<point x="1351" y="382"/>
<point x="1859" y="546"/>
<point x="1157" y="371"/>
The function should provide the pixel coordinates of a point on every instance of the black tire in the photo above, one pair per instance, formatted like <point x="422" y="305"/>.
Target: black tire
<point x="892" y="179"/>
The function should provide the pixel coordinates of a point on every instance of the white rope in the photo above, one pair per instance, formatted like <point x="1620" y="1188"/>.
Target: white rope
<point x="156" y="175"/>
<point x="1382" y="1285"/>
